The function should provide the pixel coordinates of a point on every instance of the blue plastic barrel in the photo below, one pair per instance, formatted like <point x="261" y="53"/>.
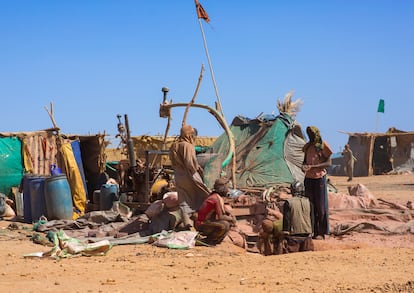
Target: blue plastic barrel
<point x="37" y="199"/>
<point x="27" y="205"/>
<point x="58" y="198"/>
<point x="108" y="194"/>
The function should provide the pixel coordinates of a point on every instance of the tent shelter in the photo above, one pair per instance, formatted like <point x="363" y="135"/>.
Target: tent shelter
<point x="92" y="151"/>
<point x="268" y="152"/>
<point x="382" y="153"/>
<point x="35" y="152"/>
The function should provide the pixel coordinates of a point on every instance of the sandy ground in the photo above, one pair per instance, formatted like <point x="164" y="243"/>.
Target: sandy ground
<point x="359" y="262"/>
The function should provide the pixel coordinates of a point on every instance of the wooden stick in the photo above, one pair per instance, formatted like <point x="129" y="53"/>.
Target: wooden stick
<point x="200" y="78"/>
<point x="393" y="205"/>
<point x="50" y="113"/>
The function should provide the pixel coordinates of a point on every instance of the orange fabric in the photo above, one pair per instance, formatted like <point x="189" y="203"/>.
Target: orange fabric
<point x="201" y="13"/>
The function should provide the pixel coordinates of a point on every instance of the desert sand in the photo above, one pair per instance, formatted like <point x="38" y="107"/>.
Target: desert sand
<point x="355" y="262"/>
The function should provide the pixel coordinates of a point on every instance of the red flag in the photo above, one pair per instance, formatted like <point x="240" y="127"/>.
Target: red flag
<point x="201" y="13"/>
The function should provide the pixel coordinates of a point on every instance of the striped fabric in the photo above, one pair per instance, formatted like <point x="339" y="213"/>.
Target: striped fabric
<point x="39" y="150"/>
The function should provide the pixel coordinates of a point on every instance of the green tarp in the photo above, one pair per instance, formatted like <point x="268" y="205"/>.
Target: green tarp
<point x="11" y="171"/>
<point x="268" y="152"/>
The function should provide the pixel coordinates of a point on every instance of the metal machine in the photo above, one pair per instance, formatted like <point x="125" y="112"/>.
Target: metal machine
<point x="138" y="179"/>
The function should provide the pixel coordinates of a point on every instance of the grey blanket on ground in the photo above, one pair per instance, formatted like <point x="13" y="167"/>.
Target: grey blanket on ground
<point x="386" y="221"/>
<point x="342" y="229"/>
<point x="89" y="220"/>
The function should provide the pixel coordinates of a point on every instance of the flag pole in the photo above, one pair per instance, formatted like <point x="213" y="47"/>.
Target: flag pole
<point x="202" y="14"/>
<point x="381" y="106"/>
<point x="211" y="68"/>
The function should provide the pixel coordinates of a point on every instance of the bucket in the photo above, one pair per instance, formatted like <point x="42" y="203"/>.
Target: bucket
<point x="54" y="170"/>
<point x="108" y="194"/>
<point x="58" y="198"/>
<point x="37" y="199"/>
<point x="27" y="205"/>
<point x="95" y="197"/>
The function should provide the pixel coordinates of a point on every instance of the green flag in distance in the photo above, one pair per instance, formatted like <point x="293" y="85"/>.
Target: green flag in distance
<point x="381" y="105"/>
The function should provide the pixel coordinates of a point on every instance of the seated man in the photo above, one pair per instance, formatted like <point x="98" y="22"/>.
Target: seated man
<point x="213" y="220"/>
<point x="167" y="214"/>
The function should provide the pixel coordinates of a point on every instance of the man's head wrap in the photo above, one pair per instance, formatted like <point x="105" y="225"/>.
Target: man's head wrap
<point x="314" y="138"/>
<point x="187" y="133"/>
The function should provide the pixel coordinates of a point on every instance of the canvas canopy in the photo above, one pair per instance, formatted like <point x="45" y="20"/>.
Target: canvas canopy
<point x="268" y="152"/>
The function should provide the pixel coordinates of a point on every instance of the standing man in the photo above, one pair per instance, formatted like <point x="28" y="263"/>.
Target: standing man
<point x="349" y="160"/>
<point x="187" y="172"/>
<point x="317" y="158"/>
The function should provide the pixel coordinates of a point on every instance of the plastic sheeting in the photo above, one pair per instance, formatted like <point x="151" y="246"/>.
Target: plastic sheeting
<point x="11" y="171"/>
<point x="75" y="181"/>
<point x="78" y="157"/>
<point x="268" y="152"/>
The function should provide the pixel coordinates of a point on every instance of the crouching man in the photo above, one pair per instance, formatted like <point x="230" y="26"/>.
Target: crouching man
<point x="270" y="231"/>
<point x="213" y="219"/>
<point x="297" y="222"/>
<point x="291" y="231"/>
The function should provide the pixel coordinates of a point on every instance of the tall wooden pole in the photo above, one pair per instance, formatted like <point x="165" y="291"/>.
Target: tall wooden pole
<point x="201" y="14"/>
<point x="211" y="68"/>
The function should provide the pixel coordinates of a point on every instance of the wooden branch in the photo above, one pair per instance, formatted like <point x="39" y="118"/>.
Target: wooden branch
<point x="164" y="143"/>
<point x="200" y="78"/>
<point x="50" y="113"/>
<point x="220" y="119"/>
<point x="52" y="117"/>
<point x="393" y="205"/>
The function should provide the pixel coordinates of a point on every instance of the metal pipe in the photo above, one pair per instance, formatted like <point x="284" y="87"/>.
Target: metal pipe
<point x="164" y="108"/>
<point x="165" y="90"/>
<point x="130" y="144"/>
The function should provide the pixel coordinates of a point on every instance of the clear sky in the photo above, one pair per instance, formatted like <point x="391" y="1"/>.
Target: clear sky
<point x="94" y="59"/>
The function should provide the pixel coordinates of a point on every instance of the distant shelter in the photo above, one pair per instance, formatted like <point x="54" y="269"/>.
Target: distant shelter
<point x="382" y="153"/>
